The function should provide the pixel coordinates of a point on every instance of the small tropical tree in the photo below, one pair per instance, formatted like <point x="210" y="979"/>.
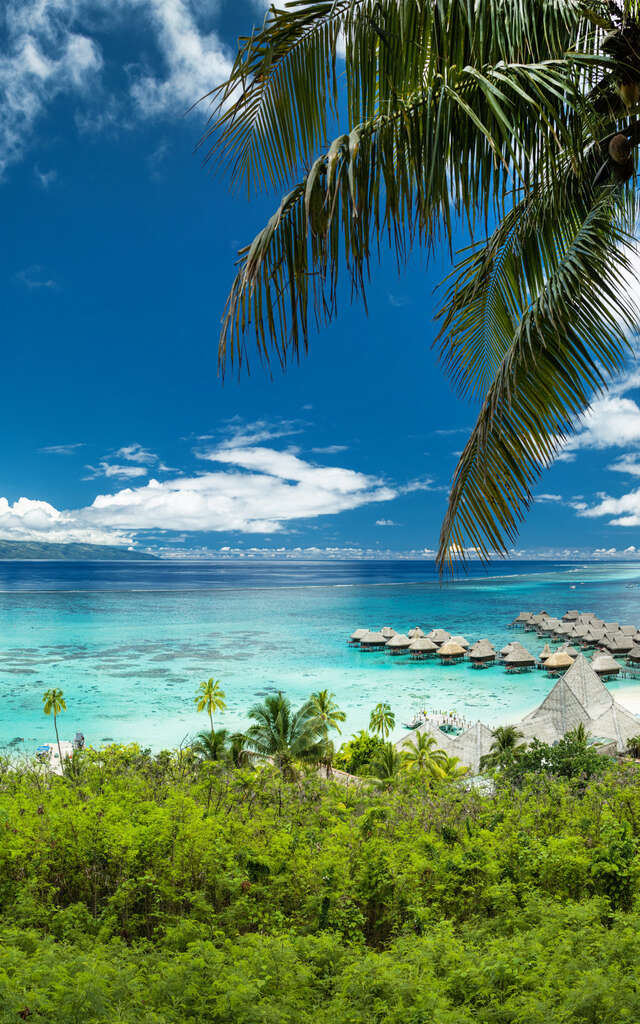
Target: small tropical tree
<point x="210" y="698"/>
<point x="387" y="762"/>
<point x="453" y="769"/>
<point x="633" y="746"/>
<point x="211" y="746"/>
<point x="423" y="755"/>
<point x="284" y="734"/>
<point x="504" y="747"/>
<point x="55" y="704"/>
<point x="382" y="720"/>
<point x="327" y="711"/>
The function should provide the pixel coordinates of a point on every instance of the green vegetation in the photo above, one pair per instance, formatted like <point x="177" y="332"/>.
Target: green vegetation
<point x="520" y="118"/>
<point x="18" y="550"/>
<point x="170" y="889"/>
<point x="210" y="698"/>
<point x="54" y="704"/>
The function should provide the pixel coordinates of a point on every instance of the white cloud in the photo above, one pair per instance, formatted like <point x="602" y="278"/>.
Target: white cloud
<point x="194" y="62"/>
<point x="115" y="471"/>
<point x="238" y="434"/>
<point x="136" y="453"/>
<point x="61" y="449"/>
<point x="612" y="422"/>
<point x="34" y="277"/>
<point x="330" y="449"/>
<point x="45" y="178"/>
<point x="50" y="49"/>
<point x="626" y="509"/>
<point x="626" y="464"/>
<point x="549" y="497"/>
<point x="29" y="520"/>
<point x="386" y="522"/>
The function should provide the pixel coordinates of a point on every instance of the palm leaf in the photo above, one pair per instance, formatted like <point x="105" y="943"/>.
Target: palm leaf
<point x="566" y="343"/>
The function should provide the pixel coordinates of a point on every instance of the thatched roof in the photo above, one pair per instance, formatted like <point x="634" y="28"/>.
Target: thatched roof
<point x="558" y="660"/>
<point x="424" y="644"/>
<point x="523" y="617"/>
<point x="605" y="665"/>
<point x="571" y="615"/>
<point x="628" y="630"/>
<point x="519" y="656"/>
<point x="359" y="633"/>
<point x="451" y="649"/>
<point x="373" y="638"/>
<point x="460" y="640"/>
<point x="439" y="636"/>
<point x="415" y="632"/>
<point x="399" y="640"/>
<point x="634" y="654"/>
<point x="573" y="652"/>
<point x="544" y="653"/>
<point x="388" y="632"/>
<point x="621" y="643"/>
<point x="469" y="746"/>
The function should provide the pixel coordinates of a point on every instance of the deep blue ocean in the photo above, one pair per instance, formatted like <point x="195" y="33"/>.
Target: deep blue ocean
<point x="128" y="642"/>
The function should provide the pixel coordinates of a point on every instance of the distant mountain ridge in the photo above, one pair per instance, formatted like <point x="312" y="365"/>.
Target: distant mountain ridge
<point x="18" y="550"/>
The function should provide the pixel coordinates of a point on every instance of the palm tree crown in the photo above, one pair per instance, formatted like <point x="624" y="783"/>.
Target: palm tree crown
<point x="327" y="711"/>
<point x="284" y="734"/>
<point x="210" y="698"/>
<point x="423" y="755"/>
<point x="505" y="746"/>
<point x="382" y="720"/>
<point x="518" y="114"/>
<point x="54" y="704"/>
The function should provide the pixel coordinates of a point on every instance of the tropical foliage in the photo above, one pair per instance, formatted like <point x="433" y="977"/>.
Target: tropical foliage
<point x="210" y="698"/>
<point x="422" y="754"/>
<point x="308" y="902"/>
<point x="504" y="747"/>
<point x="519" y="119"/>
<point x="327" y="712"/>
<point x="382" y="720"/>
<point x="283" y="734"/>
<point x="54" y="704"/>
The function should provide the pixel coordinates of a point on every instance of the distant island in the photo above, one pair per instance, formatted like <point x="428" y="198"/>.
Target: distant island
<point x="17" y="550"/>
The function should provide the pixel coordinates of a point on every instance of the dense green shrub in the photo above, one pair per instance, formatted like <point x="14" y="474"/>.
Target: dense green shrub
<point x="144" y="889"/>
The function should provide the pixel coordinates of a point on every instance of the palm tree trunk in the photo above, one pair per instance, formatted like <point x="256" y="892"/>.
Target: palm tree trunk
<point x="55" y="726"/>
<point x="211" y="718"/>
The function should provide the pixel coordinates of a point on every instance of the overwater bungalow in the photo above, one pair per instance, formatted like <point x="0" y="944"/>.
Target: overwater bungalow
<point x="620" y="644"/>
<point x="439" y="636"/>
<point x="544" y="654"/>
<point x="372" y="641"/>
<point x="482" y="654"/>
<point x="521" y="620"/>
<point x="450" y="651"/>
<point x="460" y="640"/>
<point x="398" y="644"/>
<point x="388" y="632"/>
<point x="605" y="665"/>
<point x="559" y="661"/>
<point x="611" y="627"/>
<point x="633" y="657"/>
<point x="573" y="652"/>
<point x="629" y="630"/>
<point x="571" y="615"/>
<point x="414" y="633"/>
<point x="592" y="637"/>
<point x="357" y="636"/>
<point x="422" y="647"/>
<point x="519" y="660"/>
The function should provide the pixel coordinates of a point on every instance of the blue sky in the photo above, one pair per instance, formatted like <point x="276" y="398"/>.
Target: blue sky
<point x="118" y="254"/>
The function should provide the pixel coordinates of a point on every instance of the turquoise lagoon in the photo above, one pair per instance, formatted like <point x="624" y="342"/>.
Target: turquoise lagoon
<point x="129" y="642"/>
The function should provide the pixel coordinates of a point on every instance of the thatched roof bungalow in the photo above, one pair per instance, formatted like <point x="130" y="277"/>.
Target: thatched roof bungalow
<point x="398" y="644"/>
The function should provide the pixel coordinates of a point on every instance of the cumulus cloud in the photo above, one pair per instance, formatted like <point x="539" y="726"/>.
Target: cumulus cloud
<point x="613" y="421"/>
<point x="49" y="49"/>
<point x="136" y="453"/>
<point x="260" y="490"/>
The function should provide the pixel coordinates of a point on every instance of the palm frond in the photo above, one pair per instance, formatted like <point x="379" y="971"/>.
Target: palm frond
<point x="272" y="113"/>
<point x="456" y="147"/>
<point x="569" y="339"/>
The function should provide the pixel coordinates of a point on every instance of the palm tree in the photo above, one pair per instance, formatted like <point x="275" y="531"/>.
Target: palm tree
<point x="327" y="711"/>
<point x="54" y="703"/>
<point x="519" y="114"/>
<point x="423" y="755"/>
<point x="505" y="746"/>
<point x="211" y="746"/>
<point x="283" y="734"/>
<point x="210" y="698"/>
<point x="387" y="762"/>
<point x="238" y="749"/>
<point x="382" y="720"/>
<point x="633" y="747"/>
<point x="453" y="769"/>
